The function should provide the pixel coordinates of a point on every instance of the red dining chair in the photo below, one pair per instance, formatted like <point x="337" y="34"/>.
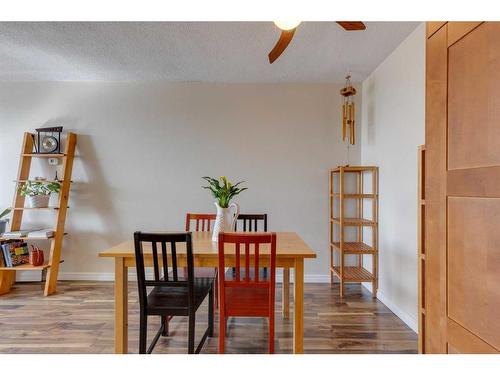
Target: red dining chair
<point x="249" y="293"/>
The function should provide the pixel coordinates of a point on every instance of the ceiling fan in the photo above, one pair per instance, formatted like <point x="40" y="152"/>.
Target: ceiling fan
<point x="288" y="29"/>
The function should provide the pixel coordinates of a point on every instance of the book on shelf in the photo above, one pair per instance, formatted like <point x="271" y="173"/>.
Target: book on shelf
<point x="30" y="233"/>
<point x="41" y="233"/>
<point x="16" y="234"/>
<point x="15" y="253"/>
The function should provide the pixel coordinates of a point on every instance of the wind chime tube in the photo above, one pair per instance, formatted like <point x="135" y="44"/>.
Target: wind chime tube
<point x="353" y="128"/>
<point x="344" y="119"/>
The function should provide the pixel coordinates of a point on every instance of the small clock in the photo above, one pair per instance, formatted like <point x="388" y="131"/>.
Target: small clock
<point x="48" y="140"/>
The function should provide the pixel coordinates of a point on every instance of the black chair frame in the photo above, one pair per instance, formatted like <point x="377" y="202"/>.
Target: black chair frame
<point x="171" y="283"/>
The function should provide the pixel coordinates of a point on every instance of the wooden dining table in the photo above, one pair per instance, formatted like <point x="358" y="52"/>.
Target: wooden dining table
<point x="291" y="251"/>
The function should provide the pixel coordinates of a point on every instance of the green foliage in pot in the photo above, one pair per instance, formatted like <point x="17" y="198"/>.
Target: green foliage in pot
<point x="34" y="188"/>
<point x="4" y="213"/>
<point x="223" y="190"/>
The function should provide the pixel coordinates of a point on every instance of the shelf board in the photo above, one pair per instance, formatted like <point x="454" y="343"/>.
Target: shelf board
<point x="355" y="248"/>
<point x="33" y="209"/>
<point x="358" y="196"/>
<point x="353" y="274"/>
<point x="35" y="155"/>
<point x="28" y="267"/>
<point x="33" y="180"/>
<point x="28" y="238"/>
<point x="354" y="169"/>
<point x="351" y="221"/>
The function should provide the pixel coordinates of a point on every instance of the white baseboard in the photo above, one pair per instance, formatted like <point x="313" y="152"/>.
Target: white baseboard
<point x="409" y="321"/>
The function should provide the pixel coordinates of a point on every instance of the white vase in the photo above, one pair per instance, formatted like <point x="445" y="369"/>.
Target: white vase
<point x="38" y="201"/>
<point x="225" y="220"/>
<point x="54" y="200"/>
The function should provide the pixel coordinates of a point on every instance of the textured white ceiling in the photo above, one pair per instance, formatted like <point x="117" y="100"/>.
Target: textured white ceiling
<point x="191" y="51"/>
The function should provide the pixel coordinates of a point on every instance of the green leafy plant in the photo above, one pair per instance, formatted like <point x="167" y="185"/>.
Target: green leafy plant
<point x="34" y="188"/>
<point x="223" y="190"/>
<point x="4" y="213"/>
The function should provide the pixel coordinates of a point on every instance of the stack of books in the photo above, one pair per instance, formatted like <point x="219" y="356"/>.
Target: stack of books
<point x="29" y="233"/>
<point x="14" y="254"/>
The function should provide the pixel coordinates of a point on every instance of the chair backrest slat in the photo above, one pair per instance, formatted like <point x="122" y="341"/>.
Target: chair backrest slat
<point x="202" y="221"/>
<point x="237" y="261"/>
<point x="174" y="260"/>
<point x="247" y="262"/>
<point x="251" y="222"/>
<point x="152" y="239"/>
<point x="165" y="259"/>
<point x="155" y="262"/>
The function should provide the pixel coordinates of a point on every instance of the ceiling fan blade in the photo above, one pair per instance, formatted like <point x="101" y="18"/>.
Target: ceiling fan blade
<point x="284" y="40"/>
<point x="352" y="25"/>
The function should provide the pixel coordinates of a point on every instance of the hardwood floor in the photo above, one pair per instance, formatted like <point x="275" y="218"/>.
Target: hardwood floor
<point x="79" y="319"/>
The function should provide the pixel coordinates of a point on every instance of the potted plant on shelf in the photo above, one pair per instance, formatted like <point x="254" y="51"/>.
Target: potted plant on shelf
<point x="38" y="192"/>
<point x="223" y="191"/>
<point x="3" y="220"/>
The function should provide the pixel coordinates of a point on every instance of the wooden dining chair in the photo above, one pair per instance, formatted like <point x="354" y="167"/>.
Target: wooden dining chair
<point x="170" y="295"/>
<point x="203" y="223"/>
<point x="247" y="219"/>
<point x="247" y="293"/>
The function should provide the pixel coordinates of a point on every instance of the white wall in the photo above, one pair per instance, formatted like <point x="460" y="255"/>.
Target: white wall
<point x="142" y="150"/>
<point x="393" y="123"/>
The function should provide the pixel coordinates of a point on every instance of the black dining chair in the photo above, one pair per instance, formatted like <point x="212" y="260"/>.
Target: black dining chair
<point x="248" y="219"/>
<point x="171" y="294"/>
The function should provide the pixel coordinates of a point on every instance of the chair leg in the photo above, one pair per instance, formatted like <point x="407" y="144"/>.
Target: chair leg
<point x="164" y="322"/>
<point x="211" y="312"/>
<point x="222" y="330"/>
<point x="216" y="286"/>
<point x="143" y="332"/>
<point x="271" y="334"/>
<point x="191" y="332"/>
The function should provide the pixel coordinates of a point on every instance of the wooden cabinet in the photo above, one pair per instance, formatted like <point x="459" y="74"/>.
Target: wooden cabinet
<point x="462" y="203"/>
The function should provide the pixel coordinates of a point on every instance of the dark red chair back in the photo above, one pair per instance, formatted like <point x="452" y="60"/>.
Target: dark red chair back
<point x="203" y="222"/>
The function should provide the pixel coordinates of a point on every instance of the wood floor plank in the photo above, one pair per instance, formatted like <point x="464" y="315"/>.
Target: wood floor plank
<point x="80" y="319"/>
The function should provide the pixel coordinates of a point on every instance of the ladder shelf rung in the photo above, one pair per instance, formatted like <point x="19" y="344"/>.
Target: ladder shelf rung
<point x="37" y="155"/>
<point x="34" y="208"/>
<point x="28" y="267"/>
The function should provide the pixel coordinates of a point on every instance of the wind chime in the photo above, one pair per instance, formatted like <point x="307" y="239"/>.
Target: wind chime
<point x="348" y="127"/>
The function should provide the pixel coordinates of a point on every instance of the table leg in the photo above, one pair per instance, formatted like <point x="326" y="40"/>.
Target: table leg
<point x="121" y="306"/>
<point x="298" y="323"/>
<point x="285" y="295"/>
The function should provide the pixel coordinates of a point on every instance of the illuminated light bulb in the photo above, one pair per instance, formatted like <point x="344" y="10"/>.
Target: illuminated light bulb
<point x="287" y="25"/>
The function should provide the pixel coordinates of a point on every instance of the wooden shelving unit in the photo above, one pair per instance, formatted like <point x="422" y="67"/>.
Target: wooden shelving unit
<point x="8" y="274"/>
<point x="340" y="221"/>
<point x="421" y="249"/>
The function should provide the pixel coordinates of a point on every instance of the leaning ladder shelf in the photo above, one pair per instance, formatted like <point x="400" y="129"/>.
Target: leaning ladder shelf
<point x="340" y="221"/>
<point x="8" y="275"/>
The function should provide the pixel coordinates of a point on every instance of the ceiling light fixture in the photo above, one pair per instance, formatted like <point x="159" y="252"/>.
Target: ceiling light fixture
<point x="287" y="25"/>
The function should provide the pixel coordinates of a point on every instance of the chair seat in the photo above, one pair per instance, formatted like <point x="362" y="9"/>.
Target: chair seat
<point x="246" y="301"/>
<point x="173" y="300"/>
<point x="238" y="299"/>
